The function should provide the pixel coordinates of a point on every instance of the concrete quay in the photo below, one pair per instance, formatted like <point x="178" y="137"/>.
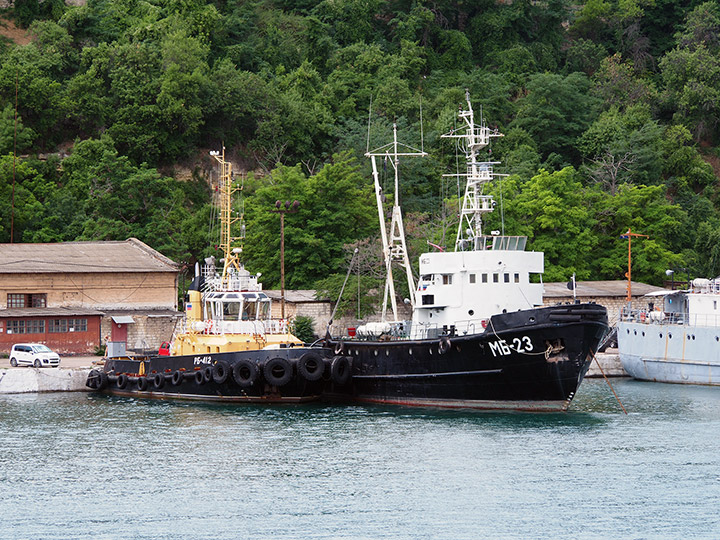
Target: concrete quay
<point x="69" y="377"/>
<point x="609" y="362"/>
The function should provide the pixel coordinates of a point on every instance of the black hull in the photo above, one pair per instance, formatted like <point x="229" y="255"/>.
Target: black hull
<point x="530" y="360"/>
<point x="221" y="377"/>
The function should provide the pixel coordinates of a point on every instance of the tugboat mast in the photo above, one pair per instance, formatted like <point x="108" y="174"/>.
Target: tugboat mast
<point x="473" y="139"/>
<point x="232" y="254"/>
<point x="394" y="247"/>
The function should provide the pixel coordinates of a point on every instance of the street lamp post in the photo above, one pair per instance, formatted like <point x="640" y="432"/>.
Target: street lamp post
<point x="283" y="208"/>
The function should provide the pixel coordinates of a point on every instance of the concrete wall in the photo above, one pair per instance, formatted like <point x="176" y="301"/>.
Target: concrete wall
<point x="147" y="332"/>
<point x="101" y="291"/>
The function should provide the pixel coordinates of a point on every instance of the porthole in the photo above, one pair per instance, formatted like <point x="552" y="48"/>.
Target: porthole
<point x="688" y="338"/>
<point x="635" y="332"/>
<point x="693" y="337"/>
<point x="471" y="312"/>
<point x="628" y="331"/>
<point x="643" y="334"/>
<point x="717" y="338"/>
<point x="660" y="335"/>
<point x="669" y="335"/>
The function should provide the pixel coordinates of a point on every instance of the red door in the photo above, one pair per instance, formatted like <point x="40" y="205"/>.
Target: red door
<point x="118" y="332"/>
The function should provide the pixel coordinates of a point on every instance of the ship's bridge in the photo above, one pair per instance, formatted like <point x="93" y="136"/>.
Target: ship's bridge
<point x="237" y="306"/>
<point x="465" y="288"/>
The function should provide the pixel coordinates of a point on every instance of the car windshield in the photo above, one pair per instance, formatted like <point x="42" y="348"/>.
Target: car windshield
<point x="41" y="348"/>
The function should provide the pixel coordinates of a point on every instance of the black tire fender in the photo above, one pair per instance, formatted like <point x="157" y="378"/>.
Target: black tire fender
<point x="199" y="377"/>
<point x="122" y="381"/>
<point x="102" y="380"/>
<point x="444" y="345"/>
<point x="177" y="378"/>
<point x="220" y="372"/>
<point x="142" y="383"/>
<point x="278" y="371"/>
<point x="207" y="373"/>
<point x="158" y="380"/>
<point x="340" y="370"/>
<point x="245" y="372"/>
<point x="93" y="379"/>
<point x="310" y="366"/>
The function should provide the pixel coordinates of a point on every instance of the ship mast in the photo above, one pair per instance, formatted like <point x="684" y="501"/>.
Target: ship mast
<point x="394" y="247"/>
<point x="473" y="139"/>
<point x="232" y="254"/>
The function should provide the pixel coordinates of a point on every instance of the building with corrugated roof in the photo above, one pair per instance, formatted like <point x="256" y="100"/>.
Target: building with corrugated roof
<point x="76" y="296"/>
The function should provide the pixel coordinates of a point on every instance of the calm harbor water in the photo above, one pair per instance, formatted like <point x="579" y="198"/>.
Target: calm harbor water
<point x="75" y="465"/>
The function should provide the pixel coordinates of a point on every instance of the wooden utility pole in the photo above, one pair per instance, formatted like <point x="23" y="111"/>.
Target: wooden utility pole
<point x="289" y="208"/>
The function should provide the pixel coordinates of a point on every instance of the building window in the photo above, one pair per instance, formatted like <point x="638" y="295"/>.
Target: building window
<point x="22" y="300"/>
<point x="56" y="326"/>
<point x="447" y="279"/>
<point x="16" y="327"/>
<point x="15" y="300"/>
<point x="507" y="278"/>
<point x="472" y="278"/>
<point x="484" y="278"/>
<point x="77" y="325"/>
<point x="496" y="278"/>
<point x="517" y="278"/>
<point x="35" y="326"/>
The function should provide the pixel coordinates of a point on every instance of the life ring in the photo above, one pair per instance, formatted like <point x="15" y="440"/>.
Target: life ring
<point x="142" y="383"/>
<point x="340" y="370"/>
<point x="122" y="381"/>
<point x="207" y="373"/>
<point x="444" y="345"/>
<point x="158" y="381"/>
<point x="199" y="377"/>
<point x="339" y="347"/>
<point x="310" y="366"/>
<point x="245" y="372"/>
<point x="277" y="371"/>
<point x="177" y="378"/>
<point x="220" y="372"/>
<point x="209" y="327"/>
<point x="642" y="316"/>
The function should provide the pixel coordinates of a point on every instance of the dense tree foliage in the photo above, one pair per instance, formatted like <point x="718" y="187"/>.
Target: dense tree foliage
<point x="610" y="110"/>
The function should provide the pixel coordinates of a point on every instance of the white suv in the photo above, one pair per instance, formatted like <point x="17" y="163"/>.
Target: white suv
<point x="33" y="354"/>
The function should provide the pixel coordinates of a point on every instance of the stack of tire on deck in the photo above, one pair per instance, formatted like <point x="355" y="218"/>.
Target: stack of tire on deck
<point x="244" y="372"/>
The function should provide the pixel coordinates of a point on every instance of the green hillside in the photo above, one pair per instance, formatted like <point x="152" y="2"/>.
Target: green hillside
<point x="610" y="113"/>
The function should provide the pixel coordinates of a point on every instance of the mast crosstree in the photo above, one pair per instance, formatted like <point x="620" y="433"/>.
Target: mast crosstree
<point x="394" y="247"/>
<point x="477" y="174"/>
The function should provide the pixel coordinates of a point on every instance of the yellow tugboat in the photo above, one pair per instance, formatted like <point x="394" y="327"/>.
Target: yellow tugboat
<point x="226" y="310"/>
<point x="229" y="347"/>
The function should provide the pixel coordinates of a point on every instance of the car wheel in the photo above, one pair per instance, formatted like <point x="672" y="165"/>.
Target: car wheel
<point x="37" y="363"/>
<point x="13" y="362"/>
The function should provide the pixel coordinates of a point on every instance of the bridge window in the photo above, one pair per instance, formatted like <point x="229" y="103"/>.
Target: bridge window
<point x="472" y="278"/>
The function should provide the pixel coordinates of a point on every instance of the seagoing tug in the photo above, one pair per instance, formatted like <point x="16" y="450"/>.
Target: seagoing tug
<point x="479" y="337"/>
<point x="229" y="348"/>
